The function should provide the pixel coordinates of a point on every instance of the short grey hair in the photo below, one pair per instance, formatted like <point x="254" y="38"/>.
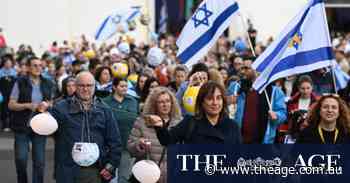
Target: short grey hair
<point x="85" y="73"/>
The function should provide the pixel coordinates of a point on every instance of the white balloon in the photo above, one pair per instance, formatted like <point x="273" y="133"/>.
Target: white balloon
<point x="155" y="56"/>
<point x="43" y="124"/>
<point x="146" y="171"/>
<point x="124" y="48"/>
<point x="85" y="153"/>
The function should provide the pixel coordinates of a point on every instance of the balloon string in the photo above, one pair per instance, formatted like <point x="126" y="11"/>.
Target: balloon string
<point x="148" y="154"/>
<point x="88" y="126"/>
<point x="83" y="125"/>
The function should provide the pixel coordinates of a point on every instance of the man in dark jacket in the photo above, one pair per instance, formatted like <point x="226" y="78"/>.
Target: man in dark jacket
<point x="30" y="95"/>
<point x="83" y="118"/>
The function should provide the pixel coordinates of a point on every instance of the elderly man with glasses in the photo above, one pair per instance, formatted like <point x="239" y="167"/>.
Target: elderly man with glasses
<point x="83" y="118"/>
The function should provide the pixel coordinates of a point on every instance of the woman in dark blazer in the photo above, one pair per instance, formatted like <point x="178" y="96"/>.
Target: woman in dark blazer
<point x="210" y="125"/>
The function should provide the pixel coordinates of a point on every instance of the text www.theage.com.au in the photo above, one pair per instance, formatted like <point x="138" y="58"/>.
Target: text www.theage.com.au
<point x="270" y="170"/>
<point x="315" y="164"/>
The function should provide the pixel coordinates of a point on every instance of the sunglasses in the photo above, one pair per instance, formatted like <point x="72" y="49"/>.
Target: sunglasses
<point x="330" y="95"/>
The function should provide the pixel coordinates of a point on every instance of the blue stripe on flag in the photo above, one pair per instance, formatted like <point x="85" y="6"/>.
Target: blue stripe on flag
<point x="137" y="11"/>
<point x="284" y="41"/>
<point x="162" y="22"/>
<point x="318" y="1"/>
<point x="301" y="59"/>
<point x="341" y="78"/>
<point x="101" y="28"/>
<point x="206" y="37"/>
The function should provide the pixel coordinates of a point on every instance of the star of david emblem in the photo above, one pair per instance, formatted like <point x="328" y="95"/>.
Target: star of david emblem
<point x="296" y="40"/>
<point x="201" y="16"/>
<point x="116" y="19"/>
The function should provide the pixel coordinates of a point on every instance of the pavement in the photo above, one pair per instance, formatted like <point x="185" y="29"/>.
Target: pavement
<point x="7" y="162"/>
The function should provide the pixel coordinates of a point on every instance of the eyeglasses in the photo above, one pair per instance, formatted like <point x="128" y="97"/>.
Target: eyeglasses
<point x="85" y="85"/>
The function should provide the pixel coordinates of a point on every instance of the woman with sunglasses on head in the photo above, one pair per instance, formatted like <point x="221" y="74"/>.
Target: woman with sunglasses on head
<point x="209" y="125"/>
<point x="329" y="122"/>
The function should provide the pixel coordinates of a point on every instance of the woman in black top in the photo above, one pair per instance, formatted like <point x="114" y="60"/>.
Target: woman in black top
<point x="329" y="122"/>
<point x="210" y="125"/>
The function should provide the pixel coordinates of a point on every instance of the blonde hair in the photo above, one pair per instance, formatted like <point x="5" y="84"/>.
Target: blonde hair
<point x="150" y="106"/>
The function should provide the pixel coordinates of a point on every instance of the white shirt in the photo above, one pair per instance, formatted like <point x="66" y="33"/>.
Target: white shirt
<point x="303" y="104"/>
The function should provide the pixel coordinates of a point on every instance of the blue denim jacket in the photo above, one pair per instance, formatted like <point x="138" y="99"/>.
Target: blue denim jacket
<point x="103" y="131"/>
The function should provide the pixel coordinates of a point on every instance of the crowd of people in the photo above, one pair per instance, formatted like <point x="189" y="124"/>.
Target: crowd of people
<point x="133" y="100"/>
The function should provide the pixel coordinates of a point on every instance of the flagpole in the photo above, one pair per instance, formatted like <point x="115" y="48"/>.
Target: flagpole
<point x="333" y="78"/>
<point x="268" y="100"/>
<point x="246" y="31"/>
<point x="329" y="41"/>
<point x="149" y="39"/>
<point x="253" y="52"/>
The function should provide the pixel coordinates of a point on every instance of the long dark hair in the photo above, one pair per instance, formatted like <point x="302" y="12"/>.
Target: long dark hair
<point x="100" y="70"/>
<point x="65" y="84"/>
<point x="206" y="90"/>
<point x="147" y="87"/>
<point x="137" y="88"/>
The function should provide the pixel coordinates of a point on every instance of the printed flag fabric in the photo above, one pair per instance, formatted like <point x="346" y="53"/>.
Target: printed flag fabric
<point x="303" y="46"/>
<point x="201" y="31"/>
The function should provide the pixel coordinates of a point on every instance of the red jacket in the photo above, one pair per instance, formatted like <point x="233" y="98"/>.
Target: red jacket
<point x="293" y="104"/>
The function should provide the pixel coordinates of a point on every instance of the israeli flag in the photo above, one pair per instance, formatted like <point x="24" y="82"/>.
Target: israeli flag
<point x="131" y="90"/>
<point x="303" y="46"/>
<point x="341" y="77"/>
<point x="200" y="33"/>
<point x="163" y="18"/>
<point x="118" y="19"/>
